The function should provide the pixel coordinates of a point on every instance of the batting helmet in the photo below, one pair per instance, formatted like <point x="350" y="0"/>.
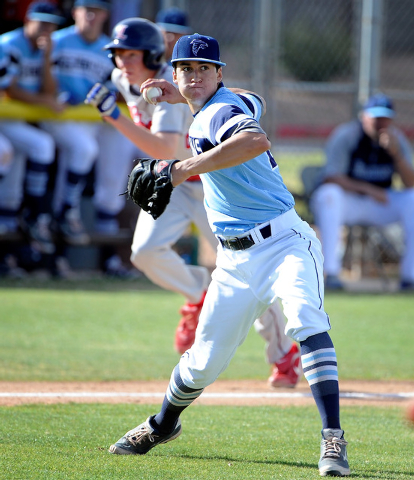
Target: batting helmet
<point x="139" y="34"/>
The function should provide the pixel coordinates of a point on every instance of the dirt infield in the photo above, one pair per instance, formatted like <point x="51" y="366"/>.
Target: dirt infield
<point x="222" y="392"/>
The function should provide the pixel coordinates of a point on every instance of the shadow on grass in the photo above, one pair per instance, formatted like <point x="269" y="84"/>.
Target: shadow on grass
<point x="227" y="458"/>
<point x="365" y="474"/>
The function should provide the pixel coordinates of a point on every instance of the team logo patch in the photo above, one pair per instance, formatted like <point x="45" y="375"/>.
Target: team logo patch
<point x="120" y="32"/>
<point x="197" y="45"/>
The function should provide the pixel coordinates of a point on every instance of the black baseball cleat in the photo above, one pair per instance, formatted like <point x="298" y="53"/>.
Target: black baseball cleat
<point x="72" y="229"/>
<point x="142" y="438"/>
<point x="38" y="231"/>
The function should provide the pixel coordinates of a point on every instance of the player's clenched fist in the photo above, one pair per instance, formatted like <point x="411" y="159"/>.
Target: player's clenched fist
<point x="104" y="100"/>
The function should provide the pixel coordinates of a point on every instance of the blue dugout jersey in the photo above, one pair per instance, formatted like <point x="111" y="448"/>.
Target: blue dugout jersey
<point x="25" y="62"/>
<point x="241" y="197"/>
<point x="350" y="151"/>
<point x="78" y="65"/>
<point x="6" y="70"/>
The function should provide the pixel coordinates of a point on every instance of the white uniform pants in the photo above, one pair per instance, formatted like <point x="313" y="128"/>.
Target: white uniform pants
<point x="28" y="142"/>
<point x="288" y="266"/>
<point x="6" y="155"/>
<point x="271" y="327"/>
<point x="334" y="207"/>
<point x="152" y="251"/>
<point x="153" y="255"/>
<point x="80" y="144"/>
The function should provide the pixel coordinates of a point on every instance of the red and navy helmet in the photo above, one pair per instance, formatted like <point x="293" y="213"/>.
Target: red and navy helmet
<point x="139" y="34"/>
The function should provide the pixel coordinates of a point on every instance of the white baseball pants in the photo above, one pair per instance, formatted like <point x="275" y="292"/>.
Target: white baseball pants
<point x="28" y="142"/>
<point x="152" y="251"/>
<point x="6" y="155"/>
<point x="80" y="144"/>
<point x="288" y="265"/>
<point x="334" y="207"/>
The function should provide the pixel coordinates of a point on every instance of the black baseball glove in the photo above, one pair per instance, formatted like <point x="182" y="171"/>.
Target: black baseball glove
<point x="150" y="186"/>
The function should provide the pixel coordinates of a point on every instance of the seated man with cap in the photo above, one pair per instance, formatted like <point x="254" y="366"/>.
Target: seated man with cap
<point x="363" y="158"/>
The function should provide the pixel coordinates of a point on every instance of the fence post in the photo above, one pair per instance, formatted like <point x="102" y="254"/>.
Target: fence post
<point x="262" y="49"/>
<point x="370" y="49"/>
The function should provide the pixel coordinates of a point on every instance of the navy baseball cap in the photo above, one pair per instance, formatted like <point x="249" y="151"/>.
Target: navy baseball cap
<point x="173" y="20"/>
<point x="379" y="105"/>
<point x="44" y="12"/>
<point x="196" y="47"/>
<point x="103" y="4"/>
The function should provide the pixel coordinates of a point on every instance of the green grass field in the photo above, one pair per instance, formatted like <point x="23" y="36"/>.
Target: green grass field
<point x="71" y="441"/>
<point x="101" y="330"/>
<point x="124" y="331"/>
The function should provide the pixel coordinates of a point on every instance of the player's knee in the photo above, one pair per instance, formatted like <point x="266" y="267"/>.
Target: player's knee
<point x="196" y="378"/>
<point x="44" y="151"/>
<point x="82" y="154"/>
<point x="327" y="196"/>
<point x="142" y="256"/>
<point x="328" y="192"/>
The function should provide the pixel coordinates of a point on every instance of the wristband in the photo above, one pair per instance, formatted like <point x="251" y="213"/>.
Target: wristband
<point x="116" y="112"/>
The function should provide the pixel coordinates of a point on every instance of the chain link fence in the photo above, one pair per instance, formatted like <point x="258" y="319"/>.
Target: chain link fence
<point x="314" y="61"/>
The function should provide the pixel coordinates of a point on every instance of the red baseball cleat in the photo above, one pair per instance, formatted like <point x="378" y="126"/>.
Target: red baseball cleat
<point x="185" y="333"/>
<point x="286" y="373"/>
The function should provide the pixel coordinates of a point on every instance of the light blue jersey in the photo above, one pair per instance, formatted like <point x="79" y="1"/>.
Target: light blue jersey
<point x="241" y="197"/>
<point x="26" y="62"/>
<point x="7" y="71"/>
<point x="78" y="65"/>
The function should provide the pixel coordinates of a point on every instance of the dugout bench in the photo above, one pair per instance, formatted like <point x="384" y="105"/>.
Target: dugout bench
<point x="86" y="256"/>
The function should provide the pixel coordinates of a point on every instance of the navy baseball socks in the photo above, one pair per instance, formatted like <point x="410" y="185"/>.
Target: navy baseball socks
<point x="160" y="428"/>
<point x="35" y="221"/>
<point x="70" y="226"/>
<point x="320" y="370"/>
<point x="319" y="365"/>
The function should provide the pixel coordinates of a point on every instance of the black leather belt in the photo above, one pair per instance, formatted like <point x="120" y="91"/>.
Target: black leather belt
<point x="243" y="243"/>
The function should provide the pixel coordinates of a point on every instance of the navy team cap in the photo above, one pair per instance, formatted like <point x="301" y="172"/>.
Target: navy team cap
<point x="198" y="48"/>
<point x="379" y="106"/>
<point x="103" y="4"/>
<point x="45" y="12"/>
<point x="173" y="20"/>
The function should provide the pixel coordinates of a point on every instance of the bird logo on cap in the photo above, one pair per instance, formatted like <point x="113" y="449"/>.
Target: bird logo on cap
<point x="198" y="45"/>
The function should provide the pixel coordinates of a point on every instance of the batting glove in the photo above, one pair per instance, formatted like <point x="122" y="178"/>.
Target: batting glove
<point x="104" y="100"/>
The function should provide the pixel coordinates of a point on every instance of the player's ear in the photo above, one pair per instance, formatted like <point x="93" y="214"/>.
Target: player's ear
<point x="174" y="76"/>
<point x="219" y="75"/>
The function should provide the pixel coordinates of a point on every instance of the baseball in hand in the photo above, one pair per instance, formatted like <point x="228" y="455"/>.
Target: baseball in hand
<point x="151" y="93"/>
